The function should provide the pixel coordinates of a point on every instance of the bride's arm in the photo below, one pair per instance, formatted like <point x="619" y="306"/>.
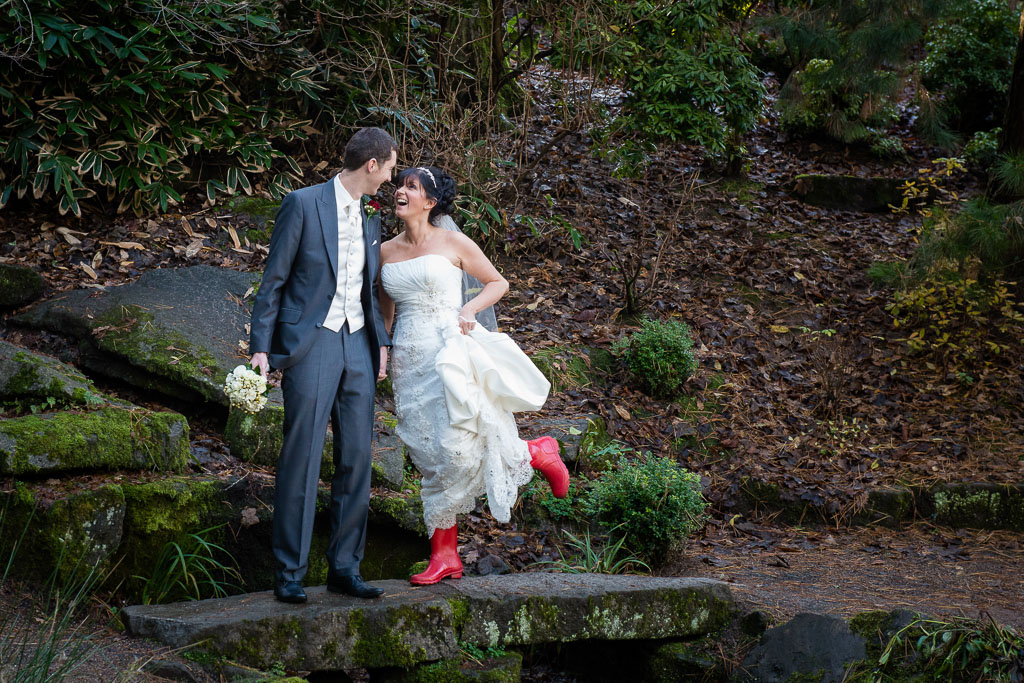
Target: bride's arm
<point x="474" y="262"/>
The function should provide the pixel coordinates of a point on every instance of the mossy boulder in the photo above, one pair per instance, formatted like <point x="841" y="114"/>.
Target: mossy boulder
<point x="110" y="438"/>
<point x="402" y="510"/>
<point x="72" y="535"/>
<point x="499" y="669"/>
<point x="977" y="506"/>
<point x="177" y="331"/>
<point x="848" y="192"/>
<point x="25" y="374"/>
<point x="19" y="285"/>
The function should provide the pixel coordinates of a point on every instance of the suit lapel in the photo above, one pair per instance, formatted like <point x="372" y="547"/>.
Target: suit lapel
<point x="327" y="209"/>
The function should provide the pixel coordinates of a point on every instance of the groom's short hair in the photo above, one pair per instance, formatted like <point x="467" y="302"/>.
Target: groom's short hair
<point x="366" y="144"/>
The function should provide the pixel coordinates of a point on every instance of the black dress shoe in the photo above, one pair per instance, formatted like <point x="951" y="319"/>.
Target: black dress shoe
<point x="289" y="591"/>
<point x="352" y="584"/>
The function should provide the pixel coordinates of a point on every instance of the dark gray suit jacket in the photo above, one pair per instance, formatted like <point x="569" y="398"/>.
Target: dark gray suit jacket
<point x="300" y="277"/>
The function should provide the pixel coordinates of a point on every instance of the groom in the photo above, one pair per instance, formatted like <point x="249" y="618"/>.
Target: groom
<point x="317" y="317"/>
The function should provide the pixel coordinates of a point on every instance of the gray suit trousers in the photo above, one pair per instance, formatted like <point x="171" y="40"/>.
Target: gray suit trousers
<point x="335" y="379"/>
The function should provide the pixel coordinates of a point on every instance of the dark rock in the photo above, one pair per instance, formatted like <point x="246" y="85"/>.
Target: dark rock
<point x="19" y="285"/>
<point x="568" y="431"/>
<point x="755" y="622"/>
<point x="489" y="565"/>
<point x="847" y="192"/>
<point x="808" y="645"/>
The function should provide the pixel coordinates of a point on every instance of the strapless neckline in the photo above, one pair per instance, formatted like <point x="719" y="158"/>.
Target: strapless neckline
<point x="423" y="256"/>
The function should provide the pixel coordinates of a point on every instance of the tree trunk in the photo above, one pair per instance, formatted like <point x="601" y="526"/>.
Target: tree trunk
<point x="1012" y="139"/>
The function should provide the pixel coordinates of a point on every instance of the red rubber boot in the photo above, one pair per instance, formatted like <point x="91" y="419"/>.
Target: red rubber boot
<point x="444" y="558"/>
<point x="544" y="457"/>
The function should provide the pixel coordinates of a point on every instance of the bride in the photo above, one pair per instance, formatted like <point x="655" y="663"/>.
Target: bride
<point x="455" y="383"/>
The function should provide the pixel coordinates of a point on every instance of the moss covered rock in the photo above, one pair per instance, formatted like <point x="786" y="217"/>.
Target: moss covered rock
<point x="179" y="331"/>
<point x="19" y="285"/>
<point x="26" y="374"/>
<point x="979" y="506"/>
<point x="71" y="535"/>
<point x="111" y="438"/>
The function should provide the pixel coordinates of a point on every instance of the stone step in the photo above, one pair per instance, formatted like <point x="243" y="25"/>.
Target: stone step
<point x="418" y="624"/>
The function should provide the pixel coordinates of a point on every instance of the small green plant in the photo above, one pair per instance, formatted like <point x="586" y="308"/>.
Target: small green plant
<point x="887" y="146"/>
<point x="654" y="501"/>
<point x="559" y="508"/>
<point x="960" y="649"/>
<point x="660" y="356"/>
<point x="981" y="149"/>
<point x="597" y="556"/>
<point x="190" y="570"/>
<point x="478" y="655"/>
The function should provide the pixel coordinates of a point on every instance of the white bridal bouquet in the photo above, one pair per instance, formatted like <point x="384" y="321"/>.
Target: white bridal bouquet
<point x="246" y="389"/>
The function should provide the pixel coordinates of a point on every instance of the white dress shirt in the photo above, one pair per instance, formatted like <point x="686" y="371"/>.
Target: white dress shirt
<point x="346" y="304"/>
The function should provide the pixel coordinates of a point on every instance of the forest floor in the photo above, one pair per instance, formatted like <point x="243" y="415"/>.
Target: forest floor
<point x="803" y="381"/>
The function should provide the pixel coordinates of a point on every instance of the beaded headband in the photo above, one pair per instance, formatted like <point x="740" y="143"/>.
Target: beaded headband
<point x="427" y="171"/>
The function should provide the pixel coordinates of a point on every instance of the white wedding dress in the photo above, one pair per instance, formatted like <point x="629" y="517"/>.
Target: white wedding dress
<point x="455" y="393"/>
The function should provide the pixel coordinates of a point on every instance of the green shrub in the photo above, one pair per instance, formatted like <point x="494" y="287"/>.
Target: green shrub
<point x="826" y="100"/>
<point x="981" y="149"/>
<point x="969" y="60"/>
<point x="849" y="59"/>
<point x="660" y="356"/>
<point x="655" y="502"/>
<point x="688" y="76"/>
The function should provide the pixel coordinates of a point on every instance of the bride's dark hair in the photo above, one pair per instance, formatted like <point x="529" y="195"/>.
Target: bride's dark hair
<point x="437" y="185"/>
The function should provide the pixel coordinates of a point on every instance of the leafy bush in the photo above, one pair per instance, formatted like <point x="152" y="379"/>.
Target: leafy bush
<point x="655" y="502"/>
<point x="660" y="356"/>
<point x="848" y="59"/>
<point x="958" y="320"/>
<point x="132" y="99"/>
<point x="825" y="100"/>
<point x="687" y="74"/>
<point x="969" y="60"/>
<point x="981" y="149"/>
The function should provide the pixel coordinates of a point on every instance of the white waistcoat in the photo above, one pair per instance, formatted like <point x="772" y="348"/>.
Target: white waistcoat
<point x="346" y="304"/>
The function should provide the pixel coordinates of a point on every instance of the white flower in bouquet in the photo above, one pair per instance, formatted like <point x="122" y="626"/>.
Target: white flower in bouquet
<point x="246" y="389"/>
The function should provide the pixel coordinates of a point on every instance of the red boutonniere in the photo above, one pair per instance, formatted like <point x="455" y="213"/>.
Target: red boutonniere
<point x="372" y="208"/>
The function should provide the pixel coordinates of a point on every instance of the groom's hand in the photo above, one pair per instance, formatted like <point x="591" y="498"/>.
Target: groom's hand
<point x="259" y="360"/>
<point x="383" y="363"/>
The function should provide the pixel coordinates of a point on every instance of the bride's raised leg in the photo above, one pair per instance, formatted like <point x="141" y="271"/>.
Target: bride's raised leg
<point x="444" y="558"/>
<point x="544" y="457"/>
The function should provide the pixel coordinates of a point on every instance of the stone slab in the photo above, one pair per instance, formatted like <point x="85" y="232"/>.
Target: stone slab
<point x="417" y="624"/>
<point x="172" y="330"/>
<point x="19" y="285"/>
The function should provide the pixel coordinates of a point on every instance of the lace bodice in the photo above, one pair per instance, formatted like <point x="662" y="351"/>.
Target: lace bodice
<point x="457" y="465"/>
